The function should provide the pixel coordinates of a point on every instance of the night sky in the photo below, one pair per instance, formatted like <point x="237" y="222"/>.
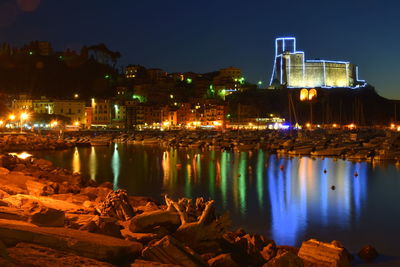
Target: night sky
<point x="203" y="36"/>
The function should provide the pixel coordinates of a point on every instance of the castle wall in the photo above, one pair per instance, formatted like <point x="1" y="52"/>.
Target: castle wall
<point x="318" y="74"/>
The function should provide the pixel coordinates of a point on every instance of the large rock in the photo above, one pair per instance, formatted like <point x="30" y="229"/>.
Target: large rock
<point x="286" y="259"/>
<point x="25" y="254"/>
<point x="84" y="244"/>
<point x="368" y="253"/>
<point x="45" y="216"/>
<point x="103" y="225"/>
<point x="20" y="200"/>
<point x="146" y="221"/>
<point x="41" y="188"/>
<point x="116" y="205"/>
<point x="170" y="251"/>
<point x="323" y="254"/>
<point x="12" y="213"/>
<point x="96" y="193"/>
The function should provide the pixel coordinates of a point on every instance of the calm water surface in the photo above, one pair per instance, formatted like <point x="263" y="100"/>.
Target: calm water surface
<point x="289" y="205"/>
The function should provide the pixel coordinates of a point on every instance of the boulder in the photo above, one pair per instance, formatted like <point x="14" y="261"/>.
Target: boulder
<point x="116" y="205"/>
<point x="12" y="213"/>
<point x="170" y="251"/>
<point x="41" y="188"/>
<point x="103" y="225"/>
<point x="25" y="254"/>
<point x="100" y="247"/>
<point x="77" y="199"/>
<point x="146" y="221"/>
<point x="96" y="193"/>
<point x="44" y="216"/>
<point x="269" y="251"/>
<point x="223" y="260"/>
<point x="20" y="200"/>
<point x="286" y="259"/>
<point x="368" y="253"/>
<point x="323" y="254"/>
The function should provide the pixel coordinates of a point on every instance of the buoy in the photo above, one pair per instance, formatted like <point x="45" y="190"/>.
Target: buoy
<point x="281" y="167"/>
<point x="355" y="174"/>
<point x="324" y="170"/>
<point x="333" y="187"/>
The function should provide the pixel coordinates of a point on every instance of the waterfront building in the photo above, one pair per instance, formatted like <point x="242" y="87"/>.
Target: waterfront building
<point x="73" y="109"/>
<point x="292" y="69"/>
<point x="101" y="110"/>
<point x="26" y="103"/>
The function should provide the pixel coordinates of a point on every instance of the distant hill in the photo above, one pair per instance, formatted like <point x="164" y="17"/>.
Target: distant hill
<point x="56" y="75"/>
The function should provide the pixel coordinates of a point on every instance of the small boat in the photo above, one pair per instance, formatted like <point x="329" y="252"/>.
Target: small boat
<point x="100" y="142"/>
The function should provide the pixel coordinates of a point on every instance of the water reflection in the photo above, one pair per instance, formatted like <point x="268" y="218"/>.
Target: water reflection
<point x="116" y="166"/>
<point x="282" y="197"/>
<point x="76" y="162"/>
<point x="93" y="164"/>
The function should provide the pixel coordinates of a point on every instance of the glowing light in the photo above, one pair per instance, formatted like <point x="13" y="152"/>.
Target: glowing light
<point x="22" y="155"/>
<point x="140" y="98"/>
<point x="171" y="96"/>
<point x="189" y="81"/>
<point x="24" y="116"/>
<point x="106" y="76"/>
<point x="303" y="94"/>
<point x="1" y="123"/>
<point x="12" y="117"/>
<point x="30" y="53"/>
<point x="76" y="123"/>
<point x="308" y="125"/>
<point x="312" y="94"/>
<point x="53" y="123"/>
<point x="334" y="125"/>
<point x="76" y="95"/>
<point x="351" y="126"/>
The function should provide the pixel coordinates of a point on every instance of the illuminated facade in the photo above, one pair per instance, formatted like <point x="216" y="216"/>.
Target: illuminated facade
<point x="292" y="69"/>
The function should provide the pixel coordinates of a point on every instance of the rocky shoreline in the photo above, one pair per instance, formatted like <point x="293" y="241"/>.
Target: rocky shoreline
<point x="52" y="217"/>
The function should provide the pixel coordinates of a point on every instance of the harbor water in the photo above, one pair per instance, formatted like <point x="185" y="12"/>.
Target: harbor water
<point x="287" y="199"/>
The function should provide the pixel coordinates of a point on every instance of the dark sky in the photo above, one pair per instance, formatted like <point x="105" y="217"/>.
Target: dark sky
<point x="205" y="35"/>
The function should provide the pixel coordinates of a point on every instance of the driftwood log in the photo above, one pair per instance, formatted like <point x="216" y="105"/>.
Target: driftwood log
<point x="200" y="228"/>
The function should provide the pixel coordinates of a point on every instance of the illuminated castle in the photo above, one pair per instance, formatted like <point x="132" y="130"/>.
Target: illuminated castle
<point x="293" y="70"/>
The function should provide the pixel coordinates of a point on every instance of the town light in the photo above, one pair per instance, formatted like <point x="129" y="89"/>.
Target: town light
<point x="1" y="122"/>
<point x="76" y="96"/>
<point x="12" y="117"/>
<point x="24" y="116"/>
<point x="308" y="125"/>
<point x="392" y="126"/>
<point x="53" y="123"/>
<point x="352" y="126"/>
<point x="334" y="125"/>
<point x="76" y="123"/>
